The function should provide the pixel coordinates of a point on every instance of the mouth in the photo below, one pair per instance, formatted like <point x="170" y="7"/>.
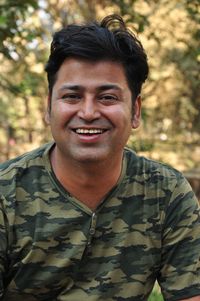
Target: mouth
<point x="93" y="131"/>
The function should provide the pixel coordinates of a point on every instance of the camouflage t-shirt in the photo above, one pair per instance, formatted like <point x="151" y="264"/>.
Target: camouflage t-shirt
<point x="53" y="247"/>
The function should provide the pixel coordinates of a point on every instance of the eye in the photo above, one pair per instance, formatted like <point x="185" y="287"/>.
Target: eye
<point x="70" y="97"/>
<point x="108" y="98"/>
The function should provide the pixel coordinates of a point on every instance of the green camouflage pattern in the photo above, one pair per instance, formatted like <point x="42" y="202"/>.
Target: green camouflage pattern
<point x="52" y="247"/>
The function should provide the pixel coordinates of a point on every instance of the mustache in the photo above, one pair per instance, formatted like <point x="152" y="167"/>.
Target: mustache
<point x="100" y="123"/>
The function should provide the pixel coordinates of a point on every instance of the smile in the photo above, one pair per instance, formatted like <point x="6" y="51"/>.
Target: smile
<point x="89" y="131"/>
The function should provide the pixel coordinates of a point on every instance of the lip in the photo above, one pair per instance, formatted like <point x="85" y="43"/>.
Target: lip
<point x="89" y="138"/>
<point x="88" y="127"/>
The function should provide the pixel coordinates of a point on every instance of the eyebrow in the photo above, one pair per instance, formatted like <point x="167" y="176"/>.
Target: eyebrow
<point x="71" y="87"/>
<point x="100" y="88"/>
<point x="108" y="87"/>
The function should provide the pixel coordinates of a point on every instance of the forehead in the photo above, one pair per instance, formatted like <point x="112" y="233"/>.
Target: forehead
<point x="76" y="70"/>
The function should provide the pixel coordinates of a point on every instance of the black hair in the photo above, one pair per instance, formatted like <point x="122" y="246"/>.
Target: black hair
<point x="108" y="40"/>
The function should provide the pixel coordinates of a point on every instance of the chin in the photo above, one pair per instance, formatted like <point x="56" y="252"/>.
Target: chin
<point x="91" y="157"/>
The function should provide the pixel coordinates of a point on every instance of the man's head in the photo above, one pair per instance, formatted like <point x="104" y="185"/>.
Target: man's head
<point x="110" y="40"/>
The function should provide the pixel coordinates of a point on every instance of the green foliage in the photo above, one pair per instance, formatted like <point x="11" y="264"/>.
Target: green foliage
<point x="188" y="62"/>
<point x="155" y="296"/>
<point x="12" y="15"/>
<point x="132" y="16"/>
<point x="141" y="145"/>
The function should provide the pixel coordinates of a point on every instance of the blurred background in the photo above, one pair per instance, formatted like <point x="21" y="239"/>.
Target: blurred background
<point x="170" y="33"/>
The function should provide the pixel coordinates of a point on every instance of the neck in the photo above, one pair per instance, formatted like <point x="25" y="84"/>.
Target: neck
<point x="89" y="182"/>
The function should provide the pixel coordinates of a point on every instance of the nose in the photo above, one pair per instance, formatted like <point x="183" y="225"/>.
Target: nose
<point x="89" y="109"/>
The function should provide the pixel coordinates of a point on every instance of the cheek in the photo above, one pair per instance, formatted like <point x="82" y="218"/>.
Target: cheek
<point x="118" y="112"/>
<point x="121" y="116"/>
<point x="61" y="113"/>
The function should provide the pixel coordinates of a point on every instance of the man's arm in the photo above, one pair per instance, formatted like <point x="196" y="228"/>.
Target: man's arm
<point x="179" y="275"/>
<point x="3" y="247"/>
<point x="2" y="269"/>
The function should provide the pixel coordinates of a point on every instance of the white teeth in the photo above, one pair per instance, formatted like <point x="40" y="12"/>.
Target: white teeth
<point x="89" y="131"/>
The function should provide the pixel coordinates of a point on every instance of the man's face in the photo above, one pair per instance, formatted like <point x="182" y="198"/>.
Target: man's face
<point x="91" y="110"/>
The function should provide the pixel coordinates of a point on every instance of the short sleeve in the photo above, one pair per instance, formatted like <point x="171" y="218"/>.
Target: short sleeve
<point x="179" y="275"/>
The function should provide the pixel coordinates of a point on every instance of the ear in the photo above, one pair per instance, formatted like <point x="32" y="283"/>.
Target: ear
<point x="47" y="114"/>
<point x="136" y="112"/>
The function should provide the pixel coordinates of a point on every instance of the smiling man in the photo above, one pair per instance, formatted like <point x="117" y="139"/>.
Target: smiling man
<point x="83" y="217"/>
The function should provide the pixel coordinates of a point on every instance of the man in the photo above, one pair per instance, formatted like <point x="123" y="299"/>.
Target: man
<point x="84" y="218"/>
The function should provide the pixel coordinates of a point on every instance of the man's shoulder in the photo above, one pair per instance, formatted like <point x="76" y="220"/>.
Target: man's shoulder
<point x="26" y="160"/>
<point x="139" y="164"/>
<point x="151" y="173"/>
<point x="156" y="181"/>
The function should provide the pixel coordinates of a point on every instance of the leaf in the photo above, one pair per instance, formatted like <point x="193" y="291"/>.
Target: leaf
<point x="3" y="20"/>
